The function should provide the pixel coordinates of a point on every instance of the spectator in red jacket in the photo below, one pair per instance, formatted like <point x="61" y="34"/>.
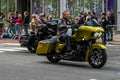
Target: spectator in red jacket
<point x="19" y="24"/>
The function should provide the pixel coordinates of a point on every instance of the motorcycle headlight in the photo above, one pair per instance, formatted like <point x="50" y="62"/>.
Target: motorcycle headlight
<point x="97" y="34"/>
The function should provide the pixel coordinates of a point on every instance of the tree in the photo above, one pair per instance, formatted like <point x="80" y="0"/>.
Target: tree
<point x="7" y="5"/>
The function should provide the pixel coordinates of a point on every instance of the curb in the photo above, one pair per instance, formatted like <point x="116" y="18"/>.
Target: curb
<point x="8" y="41"/>
<point x="114" y="42"/>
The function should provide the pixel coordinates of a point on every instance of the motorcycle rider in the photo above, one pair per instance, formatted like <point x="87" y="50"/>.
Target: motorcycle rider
<point x="42" y="25"/>
<point x="65" y="20"/>
<point x="38" y="35"/>
<point x="42" y="20"/>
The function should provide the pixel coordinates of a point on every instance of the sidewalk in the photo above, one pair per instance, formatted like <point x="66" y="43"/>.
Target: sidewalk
<point x="116" y="40"/>
<point x="8" y="41"/>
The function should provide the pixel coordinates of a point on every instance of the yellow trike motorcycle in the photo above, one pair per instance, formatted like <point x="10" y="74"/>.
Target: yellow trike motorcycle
<point x="84" y="47"/>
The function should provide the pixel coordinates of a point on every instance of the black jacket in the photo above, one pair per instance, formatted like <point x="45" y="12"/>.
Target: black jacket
<point x="26" y="20"/>
<point x="63" y="25"/>
<point x="104" y="23"/>
<point x="64" y="21"/>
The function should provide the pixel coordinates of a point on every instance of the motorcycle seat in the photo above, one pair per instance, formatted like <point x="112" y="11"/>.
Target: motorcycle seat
<point x="52" y="40"/>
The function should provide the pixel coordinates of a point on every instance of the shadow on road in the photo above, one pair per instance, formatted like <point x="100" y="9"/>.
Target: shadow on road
<point x="84" y="65"/>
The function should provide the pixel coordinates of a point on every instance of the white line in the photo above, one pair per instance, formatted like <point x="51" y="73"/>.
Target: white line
<point x="20" y="48"/>
<point x="93" y="79"/>
<point x="13" y="49"/>
<point x="9" y="50"/>
<point x="112" y="45"/>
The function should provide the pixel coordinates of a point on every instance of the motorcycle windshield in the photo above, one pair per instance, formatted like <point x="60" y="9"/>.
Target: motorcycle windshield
<point x="95" y="22"/>
<point x="92" y="22"/>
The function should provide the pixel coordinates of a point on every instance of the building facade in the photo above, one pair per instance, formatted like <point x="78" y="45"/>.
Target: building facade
<point x="55" y="6"/>
<point x="14" y="5"/>
<point x="31" y="5"/>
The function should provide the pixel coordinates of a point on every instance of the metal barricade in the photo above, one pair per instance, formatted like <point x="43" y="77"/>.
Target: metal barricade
<point x="114" y="27"/>
<point x="112" y="32"/>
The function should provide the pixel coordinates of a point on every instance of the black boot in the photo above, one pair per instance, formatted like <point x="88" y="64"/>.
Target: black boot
<point x="67" y="54"/>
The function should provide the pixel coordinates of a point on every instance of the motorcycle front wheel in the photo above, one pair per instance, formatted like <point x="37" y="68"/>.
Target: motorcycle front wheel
<point x="32" y="49"/>
<point x="53" y="59"/>
<point x="98" y="58"/>
<point x="32" y="46"/>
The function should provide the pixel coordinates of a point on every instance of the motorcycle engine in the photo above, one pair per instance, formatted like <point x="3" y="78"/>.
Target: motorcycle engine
<point x="79" y="48"/>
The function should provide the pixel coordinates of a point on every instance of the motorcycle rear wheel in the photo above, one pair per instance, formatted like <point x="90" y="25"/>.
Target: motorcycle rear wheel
<point x="98" y="58"/>
<point x="53" y="59"/>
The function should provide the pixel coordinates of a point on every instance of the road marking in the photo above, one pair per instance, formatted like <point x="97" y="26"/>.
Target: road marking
<point x="11" y="49"/>
<point x="112" y="45"/>
<point x="93" y="79"/>
<point x="14" y="49"/>
<point x="118" y="73"/>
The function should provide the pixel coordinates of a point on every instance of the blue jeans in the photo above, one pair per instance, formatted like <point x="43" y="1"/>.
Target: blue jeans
<point x="13" y="31"/>
<point x="17" y="27"/>
<point x="109" y="33"/>
<point x="26" y="26"/>
<point x="68" y="43"/>
<point x="67" y="39"/>
<point x="9" y="29"/>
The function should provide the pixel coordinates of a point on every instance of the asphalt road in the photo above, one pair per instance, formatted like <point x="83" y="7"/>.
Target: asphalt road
<point x="16" y="63"/>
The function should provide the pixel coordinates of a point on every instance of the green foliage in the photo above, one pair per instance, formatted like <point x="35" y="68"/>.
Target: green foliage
<point x="72" y="2"/>
<point x="7" y="5"/>
<point x="75" y="6"/>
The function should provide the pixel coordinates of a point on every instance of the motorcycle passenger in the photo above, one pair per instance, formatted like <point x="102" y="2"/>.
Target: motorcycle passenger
<point x="65" y="20"/>
<point x="104" y="24"/>
<point x="33" y="22"/>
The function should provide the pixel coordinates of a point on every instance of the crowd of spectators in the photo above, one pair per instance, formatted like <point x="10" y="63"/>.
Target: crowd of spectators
<point x="106" y="20"/>
<point x="21" y="23"/>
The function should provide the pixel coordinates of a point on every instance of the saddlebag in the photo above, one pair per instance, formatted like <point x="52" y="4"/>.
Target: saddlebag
<point x="46" y="46"/>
